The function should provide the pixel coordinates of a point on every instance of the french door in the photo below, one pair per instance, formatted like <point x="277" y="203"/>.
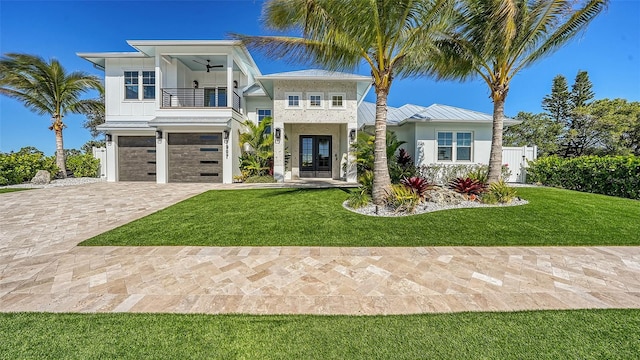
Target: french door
<point x="315" y="156"/>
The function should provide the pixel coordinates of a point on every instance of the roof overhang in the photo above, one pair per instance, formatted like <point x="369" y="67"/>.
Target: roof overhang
<point x="363" y="83"/>
<point x="98" y="59"/>
<point x="124" y="126"/>
<point x="171" y="121"/>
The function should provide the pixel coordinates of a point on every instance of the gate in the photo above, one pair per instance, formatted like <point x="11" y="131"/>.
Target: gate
<point x="516" y="158"/>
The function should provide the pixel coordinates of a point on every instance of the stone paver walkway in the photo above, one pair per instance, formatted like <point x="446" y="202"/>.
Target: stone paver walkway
<point x="42" y="269"/>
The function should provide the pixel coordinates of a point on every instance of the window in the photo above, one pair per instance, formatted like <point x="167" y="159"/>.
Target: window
<point x="463" y="146"/>
<point x="131" y="85"/>
<point x="337" y="101"/>
<point x="293" y="100"/>
<point x="315" y="100"/>
<point x="263" y="113"/>
<point x="148" y="84"/>
<point x="458" y="150"/>
<point x="445" y="146"/>
<point x="139" y="82"/>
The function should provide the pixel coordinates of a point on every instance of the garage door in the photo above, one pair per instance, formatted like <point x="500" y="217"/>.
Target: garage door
<point x="195" y="157"/>
<point x="136" y="158"/>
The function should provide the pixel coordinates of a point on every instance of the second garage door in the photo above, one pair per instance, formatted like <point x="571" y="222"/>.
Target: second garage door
<point x="195" y="157"/>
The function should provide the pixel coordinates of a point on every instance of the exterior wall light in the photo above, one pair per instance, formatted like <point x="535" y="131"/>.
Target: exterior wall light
<point x="225" y="135"/>
<point x="195" y="84"/>
<point x="352" y="134"/>
<point x="278" y="133"/>
<point x="159" y="134"/>
<point x="108" y="137"/>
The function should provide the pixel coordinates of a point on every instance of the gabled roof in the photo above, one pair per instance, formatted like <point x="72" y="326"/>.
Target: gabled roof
<point x="363" y="82"/>
<point x="416" y="113"/>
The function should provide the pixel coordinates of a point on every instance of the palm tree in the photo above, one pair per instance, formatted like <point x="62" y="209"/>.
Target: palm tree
<point x="256" y="146"/>
<point x="391" y="37"/>
<point x="46" y="88"/>
<point x="495" y="39"/>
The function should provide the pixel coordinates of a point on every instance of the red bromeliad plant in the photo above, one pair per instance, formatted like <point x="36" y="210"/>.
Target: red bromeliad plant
<point x="417" y="184"/>
<point x="467" y="186"/>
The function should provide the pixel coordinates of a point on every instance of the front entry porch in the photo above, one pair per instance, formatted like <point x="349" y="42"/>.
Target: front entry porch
<point x="313" y="151"/>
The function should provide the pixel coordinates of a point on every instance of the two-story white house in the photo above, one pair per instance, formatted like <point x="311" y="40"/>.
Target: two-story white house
<point x="174" y="109"/>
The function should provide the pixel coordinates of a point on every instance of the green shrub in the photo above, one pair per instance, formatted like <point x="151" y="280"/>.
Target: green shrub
<point x="403" y="198"/>
<point x="358" y="198"/>
<point x="84" y="165"/>
<point x="502" y="192"/>
<point x="366" y="181"/>
<point x="445" y="173"/>
<point x="608" y="175"/>
<point x="489" y="198"/>
<point x="264" y="179"/>
<point x="20" y="167"/>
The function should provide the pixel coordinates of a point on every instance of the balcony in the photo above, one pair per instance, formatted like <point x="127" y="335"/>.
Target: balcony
<point x="199" y="98"/>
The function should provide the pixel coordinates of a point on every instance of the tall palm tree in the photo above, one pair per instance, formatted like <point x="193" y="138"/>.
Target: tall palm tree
<point x="391" y="37"/>
<point x="46" y="88"/>
<point x="495" y="39"/>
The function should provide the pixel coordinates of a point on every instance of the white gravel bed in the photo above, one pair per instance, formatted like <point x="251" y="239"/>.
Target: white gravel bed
<point x="370" y="210"/>
<point x="56" y="183"/>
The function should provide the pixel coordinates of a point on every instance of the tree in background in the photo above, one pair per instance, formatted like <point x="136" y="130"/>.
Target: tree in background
<point x="46" y="88"/>
<point x="536" y="129"/>
<point x="95" y="117"/>
<point x="392" y="37"/>
<point x="495" y="39"/>
<point x="581" y="130"/>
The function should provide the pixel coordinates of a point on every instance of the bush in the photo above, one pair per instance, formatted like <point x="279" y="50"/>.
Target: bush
<point x="501" y="192"/>
<point x="607" y="175"/>
<point x="84" y="165"/>
<point x="467" y="186"/>
<point x="418" y="185"/>
<point x="403" y="198"/>
<point x="358" y="198"/>
<point x="264" y="179"/>
<point x="366" y="181"/>
<point x="20" y="167"/>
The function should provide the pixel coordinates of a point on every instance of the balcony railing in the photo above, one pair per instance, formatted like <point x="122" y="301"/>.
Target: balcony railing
<point x="207" y="97"/>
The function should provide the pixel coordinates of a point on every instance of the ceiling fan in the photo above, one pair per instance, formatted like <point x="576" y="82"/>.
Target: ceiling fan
<point x="208" y="64"/>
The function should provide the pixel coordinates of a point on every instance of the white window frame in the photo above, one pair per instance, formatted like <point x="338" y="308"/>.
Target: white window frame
<point x="140" y="85"/>
<point x="344" y="100"/>
<point x="309" y="95"/>
<point x="454" y="146"/>
<point x="258" y="119"/>
<point x="286" y="100"/>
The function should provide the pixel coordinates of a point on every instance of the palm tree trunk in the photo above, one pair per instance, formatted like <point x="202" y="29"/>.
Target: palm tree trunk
<point x="381" y="179"/>
<point x="60" y="160"/>
<point x="495" y="157"/>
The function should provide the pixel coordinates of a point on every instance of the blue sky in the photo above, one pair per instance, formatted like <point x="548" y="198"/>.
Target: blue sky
<point x="609" y="50"/>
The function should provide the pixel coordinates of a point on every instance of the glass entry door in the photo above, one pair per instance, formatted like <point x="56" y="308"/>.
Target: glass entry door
<point x="315" y="156"/>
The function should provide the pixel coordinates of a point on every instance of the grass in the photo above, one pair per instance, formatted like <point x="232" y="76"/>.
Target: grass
<point x="577" y="334"/>
<point x="315" y="217"/>
<point x="8" y="190"/>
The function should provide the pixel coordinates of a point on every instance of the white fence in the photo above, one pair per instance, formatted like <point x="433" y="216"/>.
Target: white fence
<point x="517" y="158"/>
<point x="101" y="154"/>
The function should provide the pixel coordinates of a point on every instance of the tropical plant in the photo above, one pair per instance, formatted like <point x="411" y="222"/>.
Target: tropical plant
<point x="501" y="192"/>
<point x="392" y="37"/>
<point x="46" y="88"/>
<point x="419" y="185"/>
<point x="402" y="198"/>
<point x="16" y="168"/>
<point x="399" y="163"/>
<point x="83" y="165"/>
<point x="358" y="198"/>
<point x="256" y="148"/>
<point x="495" y="39"/>
<point x="467" y="186"/>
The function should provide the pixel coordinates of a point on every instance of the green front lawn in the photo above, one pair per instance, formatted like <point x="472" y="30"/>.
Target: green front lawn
<point x="583" y="334"/>
<point x="315" y="217"/>
<point x="8" y="190"/>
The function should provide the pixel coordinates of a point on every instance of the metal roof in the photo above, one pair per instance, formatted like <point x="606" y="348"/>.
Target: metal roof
<point x="417" y="113"/>
<point x="315" y="74"/>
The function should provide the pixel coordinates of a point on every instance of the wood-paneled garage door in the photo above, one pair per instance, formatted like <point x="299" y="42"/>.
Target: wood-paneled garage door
<point x="195" y="157"/>
<point x="136" y="158"/>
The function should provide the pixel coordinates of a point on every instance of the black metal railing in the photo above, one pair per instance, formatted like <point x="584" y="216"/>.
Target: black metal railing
<point x="207" y="97"/>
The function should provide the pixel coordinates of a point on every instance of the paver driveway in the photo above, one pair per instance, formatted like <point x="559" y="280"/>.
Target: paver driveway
<point x="41" y="269"/>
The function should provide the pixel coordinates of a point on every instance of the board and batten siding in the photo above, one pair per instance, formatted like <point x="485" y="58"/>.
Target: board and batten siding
<point x="117" y="108"/>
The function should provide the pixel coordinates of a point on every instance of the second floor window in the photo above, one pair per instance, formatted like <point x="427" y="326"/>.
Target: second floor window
<point x="315" y="100"/>
<point x="149" y="84"/>
<point x="137" y="83"/>
<point x="131" y="85"/>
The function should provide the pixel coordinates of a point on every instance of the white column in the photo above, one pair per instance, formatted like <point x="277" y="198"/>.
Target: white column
<point x="227" y="160"/>
<point x="112" y="159"/>
<point x="162" y="159"/>
<point x="352" y="169"/>
<point x="278" y="152"/>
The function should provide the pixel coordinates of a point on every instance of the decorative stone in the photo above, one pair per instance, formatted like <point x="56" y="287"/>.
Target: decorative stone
<point x="43" y="177"/>
<point x="445" y="196"/>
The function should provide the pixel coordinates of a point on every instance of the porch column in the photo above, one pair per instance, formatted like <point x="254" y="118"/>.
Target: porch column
<point x="278" y="151"/>
<point x="162" y="158"/>
<point x="112" y="158"/>
<point x="352" y="169"/>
